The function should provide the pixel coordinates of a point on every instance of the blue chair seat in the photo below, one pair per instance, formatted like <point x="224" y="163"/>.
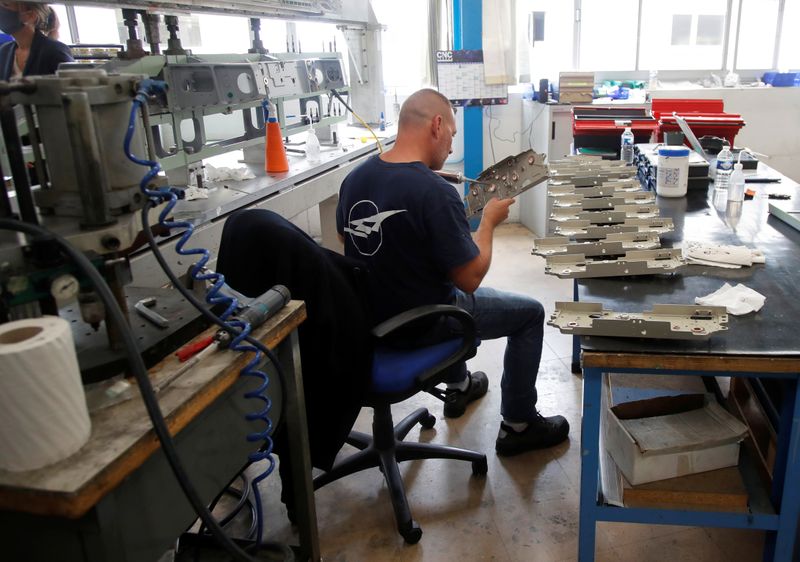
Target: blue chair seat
<point x="395" y="370"/>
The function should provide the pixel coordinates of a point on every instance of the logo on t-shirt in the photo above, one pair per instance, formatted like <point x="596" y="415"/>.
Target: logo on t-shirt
<point x="364" y="226"/>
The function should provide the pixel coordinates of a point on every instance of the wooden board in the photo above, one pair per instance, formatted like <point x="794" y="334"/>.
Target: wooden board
<point x="697" y="362"/>
<point x="716" y="490"/>
<point x="122" y="438"/>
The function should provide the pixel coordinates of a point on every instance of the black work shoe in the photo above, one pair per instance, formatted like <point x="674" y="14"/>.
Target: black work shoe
<point x="456" y="402"/>
<point x="541" y="433"/>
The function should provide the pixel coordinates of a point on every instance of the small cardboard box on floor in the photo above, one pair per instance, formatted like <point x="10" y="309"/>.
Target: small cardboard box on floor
<point x="671" y="436"/>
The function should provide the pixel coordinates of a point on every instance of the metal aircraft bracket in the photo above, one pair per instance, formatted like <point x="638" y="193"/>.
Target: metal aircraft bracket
<point x="617" y="215"/>
<point x="612" y="245"/>
<point x="638" y="262"/>
<point x="508" y="178"/>
<point x="665" y="321"/>
<point x="583" y="203"/>
<point x="616" y="189"/>
<point x="585" y="230"/>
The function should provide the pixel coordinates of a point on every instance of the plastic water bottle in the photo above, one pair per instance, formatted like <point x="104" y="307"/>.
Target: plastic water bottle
<point x="626" y="152"/>
<point x="724" y="169"/>
<point x="313" y="152"/>
<point x="736" y="188"/>
<point x="382" y="125"/>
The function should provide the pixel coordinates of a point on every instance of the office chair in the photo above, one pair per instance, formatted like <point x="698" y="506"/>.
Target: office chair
<point x="398" y="374"/>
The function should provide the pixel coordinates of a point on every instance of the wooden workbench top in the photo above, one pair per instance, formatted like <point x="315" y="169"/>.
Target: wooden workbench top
<point x="122" y="437"/>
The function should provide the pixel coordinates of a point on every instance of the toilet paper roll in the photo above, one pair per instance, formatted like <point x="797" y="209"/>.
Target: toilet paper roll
<point x="43" y="414"/>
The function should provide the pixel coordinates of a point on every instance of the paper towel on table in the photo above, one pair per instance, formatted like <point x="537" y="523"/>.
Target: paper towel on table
<point x="721" y="255"/>
<point x="191" y="193"/>
<point x="737" y="300"/>
<point x="43" y="415"/>
<point x="224" y="173"/>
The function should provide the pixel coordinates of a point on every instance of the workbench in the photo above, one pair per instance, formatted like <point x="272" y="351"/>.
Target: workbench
<point x="761" y="344"/>
<point x="117" y="499"/>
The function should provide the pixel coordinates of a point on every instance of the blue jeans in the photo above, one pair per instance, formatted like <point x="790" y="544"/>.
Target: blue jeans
<point x="499" y="314"/>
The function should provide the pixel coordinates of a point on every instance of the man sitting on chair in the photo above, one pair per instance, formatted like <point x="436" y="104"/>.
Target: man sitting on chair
<point x="409" y="226"/>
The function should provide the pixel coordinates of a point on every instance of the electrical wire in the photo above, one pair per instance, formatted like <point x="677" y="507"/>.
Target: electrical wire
<point x="350" y="109"/>
<point x="239" y="330"/>
<point x="139" y="370"/>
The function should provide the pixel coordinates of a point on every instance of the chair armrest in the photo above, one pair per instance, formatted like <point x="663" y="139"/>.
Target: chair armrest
<point x="429" y="311"/>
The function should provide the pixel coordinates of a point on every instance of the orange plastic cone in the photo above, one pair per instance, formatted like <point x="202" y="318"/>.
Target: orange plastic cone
<point x="275" y="161"/>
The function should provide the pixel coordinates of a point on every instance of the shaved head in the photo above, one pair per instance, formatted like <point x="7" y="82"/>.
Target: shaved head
<point x="421" y="107"/>
<point x="425" y="130"/>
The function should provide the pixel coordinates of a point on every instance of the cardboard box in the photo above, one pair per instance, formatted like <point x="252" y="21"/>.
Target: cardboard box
<point x="671" y="436"/>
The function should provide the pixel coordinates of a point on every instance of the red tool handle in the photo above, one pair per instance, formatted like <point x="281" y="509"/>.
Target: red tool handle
<point x="187" y="351"/>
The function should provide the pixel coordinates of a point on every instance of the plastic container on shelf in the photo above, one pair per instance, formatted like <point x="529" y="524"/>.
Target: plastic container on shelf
<point x="672" y="178"/>
<point x="313" y="151"/>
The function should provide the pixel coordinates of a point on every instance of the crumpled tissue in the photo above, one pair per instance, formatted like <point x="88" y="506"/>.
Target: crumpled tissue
<point x="719" y="255"/>
<point x="224" y="173"/>
<point x="191" y="193"/>
<point x="737" y="300"/>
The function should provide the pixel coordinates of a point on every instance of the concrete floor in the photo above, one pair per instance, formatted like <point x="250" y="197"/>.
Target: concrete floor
<point x="526" y="507"/>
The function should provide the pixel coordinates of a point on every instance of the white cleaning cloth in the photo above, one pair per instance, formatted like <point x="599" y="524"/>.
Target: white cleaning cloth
<point x="737" y="300"/>
<point x="719" y="255"/>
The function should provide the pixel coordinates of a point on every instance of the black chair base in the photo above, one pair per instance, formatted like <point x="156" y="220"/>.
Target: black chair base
<point x="385" y="448"/>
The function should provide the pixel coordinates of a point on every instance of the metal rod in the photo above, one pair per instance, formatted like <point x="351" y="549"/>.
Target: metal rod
<point x="5" y="202"/>
<point x="38" y="161"/>
<point x="22" y="186"/>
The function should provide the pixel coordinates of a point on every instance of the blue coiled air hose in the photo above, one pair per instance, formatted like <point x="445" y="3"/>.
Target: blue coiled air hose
<point x="238" y="329"/>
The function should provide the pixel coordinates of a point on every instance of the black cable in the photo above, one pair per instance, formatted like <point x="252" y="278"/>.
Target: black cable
<point x="140" y="373"/>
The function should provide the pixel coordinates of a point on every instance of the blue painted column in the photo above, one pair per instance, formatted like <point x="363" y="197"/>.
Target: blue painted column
<point x="467" y="34"/>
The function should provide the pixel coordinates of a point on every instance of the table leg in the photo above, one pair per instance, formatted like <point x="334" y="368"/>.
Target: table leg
<point x="576" y="340"/>
<point x="782" y="543"/>
<point x="299" y="454"/>
<point x="590" y="454"/>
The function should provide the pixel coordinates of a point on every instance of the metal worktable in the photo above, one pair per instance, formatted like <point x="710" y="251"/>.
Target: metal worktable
<point x="762" y="344"/>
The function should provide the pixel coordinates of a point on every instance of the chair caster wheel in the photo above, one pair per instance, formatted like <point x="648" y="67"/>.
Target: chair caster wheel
<point x="412" y="533"/>
<point x="428" y="421"/>
<point x="480" y="468"/>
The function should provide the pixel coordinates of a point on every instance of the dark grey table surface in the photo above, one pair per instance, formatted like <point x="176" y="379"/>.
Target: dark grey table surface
<point x="772" y="331"/>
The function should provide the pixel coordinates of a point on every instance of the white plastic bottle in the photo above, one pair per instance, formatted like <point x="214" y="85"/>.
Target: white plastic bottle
<point x="736" y="188"/>
<point x="626" y="151"/>
<point x="724" y="169"/>
<point x="313" y="153"/>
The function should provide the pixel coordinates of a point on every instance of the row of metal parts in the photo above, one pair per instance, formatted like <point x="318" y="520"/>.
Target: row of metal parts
<point x="606" y="225"/>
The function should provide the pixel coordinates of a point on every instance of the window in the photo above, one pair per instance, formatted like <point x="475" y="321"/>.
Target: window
<point x="608" y="37"/>
<point x="555" y="54"/>
<point x="219" y="34"/>
<point x="273" y="35"/>
<point x="98" y="25"/>
<point x="757" y="26"/>
<point x="682" y="34"/>
<point x="789" y="54"/>
<point x="403" y="43"/>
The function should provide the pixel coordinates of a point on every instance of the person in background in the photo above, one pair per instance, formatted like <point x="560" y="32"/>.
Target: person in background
<point x="50" y="25"/>
<point x="409" y="226"/>
<point x="31" y="52"/>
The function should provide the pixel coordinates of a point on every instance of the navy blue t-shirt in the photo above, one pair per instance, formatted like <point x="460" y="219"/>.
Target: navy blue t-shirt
<point x="409" y="226"/>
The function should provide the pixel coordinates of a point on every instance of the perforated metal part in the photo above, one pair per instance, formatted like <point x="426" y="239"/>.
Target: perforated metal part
<point x="581" y="202"/>
<point x="638" y="262"/>
<point x="618" y="214"/>
<point x="613" y="245"/>
<point x="585" y="230"/>
<point x="508" y="178"/>
<point x="665" y="321"/>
